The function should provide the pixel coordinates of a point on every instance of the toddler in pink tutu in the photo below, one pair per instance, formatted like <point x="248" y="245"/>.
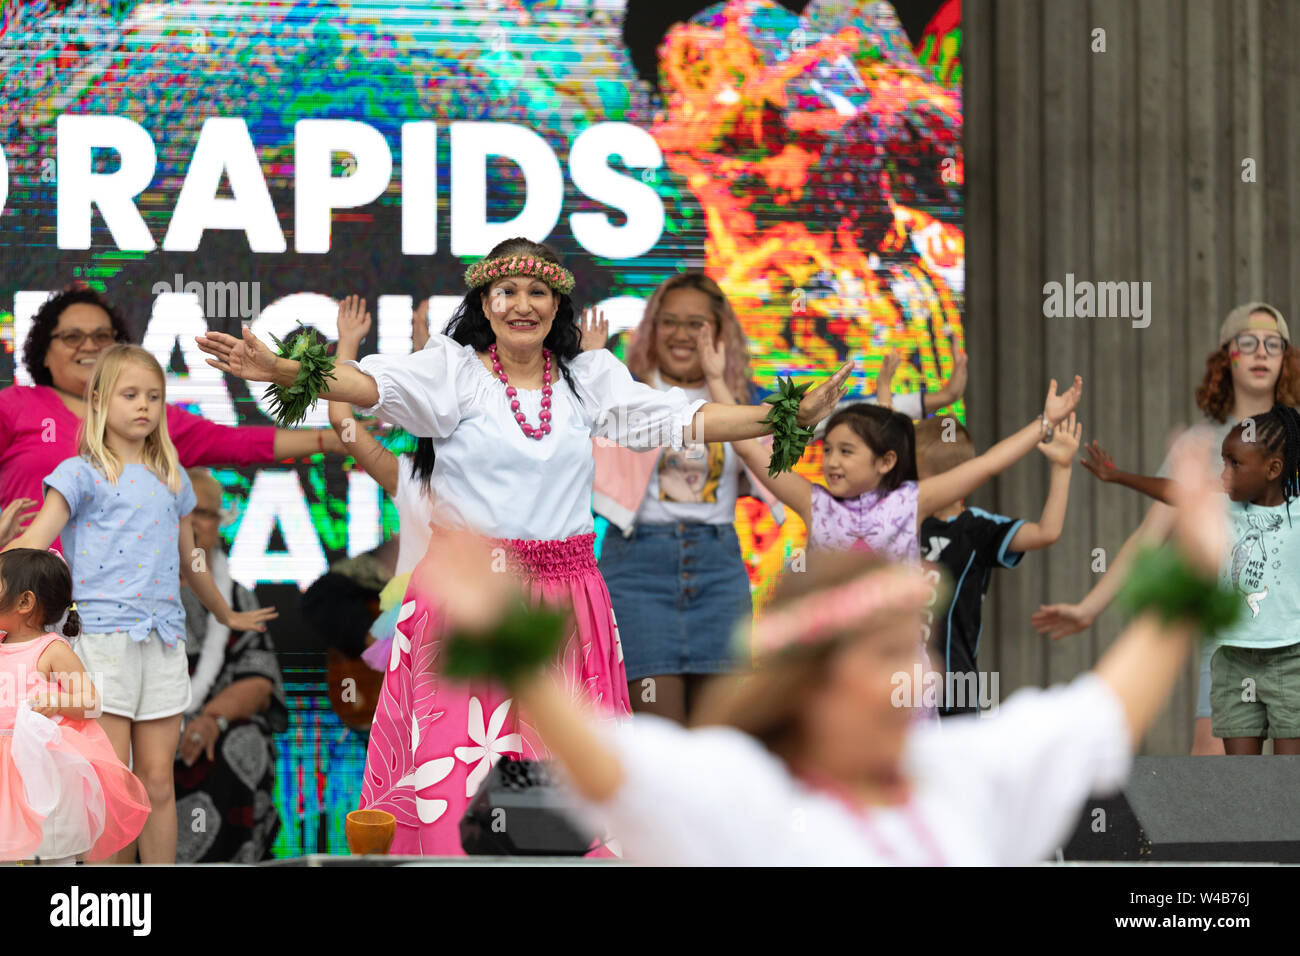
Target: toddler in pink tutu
<point x="63" y="792"/>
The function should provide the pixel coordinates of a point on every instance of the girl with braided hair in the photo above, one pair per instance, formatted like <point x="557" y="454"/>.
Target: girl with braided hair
<point x="1261" y="477"/>
<point x="1254" y="367"/>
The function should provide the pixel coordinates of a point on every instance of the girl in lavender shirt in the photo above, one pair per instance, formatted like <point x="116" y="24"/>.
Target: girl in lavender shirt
<point x="872" y="500"/>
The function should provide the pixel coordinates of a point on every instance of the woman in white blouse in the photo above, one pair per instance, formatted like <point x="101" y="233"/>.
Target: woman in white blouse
<point x="813" y="759"/>
<point x="512" y="405"/>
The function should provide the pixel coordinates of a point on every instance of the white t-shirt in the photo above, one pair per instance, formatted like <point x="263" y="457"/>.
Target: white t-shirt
<point x="414" y="512"/>
<point x="702" y="479"/>
<point x="489" y="476"/>
<point x="1001" y="790"/>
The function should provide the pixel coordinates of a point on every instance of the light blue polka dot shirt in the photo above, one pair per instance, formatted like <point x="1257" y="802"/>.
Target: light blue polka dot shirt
<point x="121" y="544"/>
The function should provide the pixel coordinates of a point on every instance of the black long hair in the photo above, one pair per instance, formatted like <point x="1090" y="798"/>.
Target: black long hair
<point x="883" y="431"/>
<point x="470" y="325"/>
<point x="1278" y="430"/>
<point x="46" y="321"/>
<point x="422" y="462"/>
<point x="46" y="575"/>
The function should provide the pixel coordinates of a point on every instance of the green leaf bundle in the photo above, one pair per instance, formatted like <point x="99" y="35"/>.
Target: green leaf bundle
<point x="789" y="438"/>
<point x="289" y="404"/>
<point x="524" y="641"/>
<point x="1161" y="580"/>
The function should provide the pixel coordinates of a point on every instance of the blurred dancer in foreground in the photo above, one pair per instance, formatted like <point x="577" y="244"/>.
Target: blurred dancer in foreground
<point x="814" y="759"/>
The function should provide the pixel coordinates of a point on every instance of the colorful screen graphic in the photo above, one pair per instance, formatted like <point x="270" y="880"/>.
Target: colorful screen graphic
<point x="207" y="164"/>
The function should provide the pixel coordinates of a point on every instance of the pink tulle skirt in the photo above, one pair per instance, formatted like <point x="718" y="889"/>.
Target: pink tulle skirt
<point x="433" y="741"/>
<point x="63" y="792"/>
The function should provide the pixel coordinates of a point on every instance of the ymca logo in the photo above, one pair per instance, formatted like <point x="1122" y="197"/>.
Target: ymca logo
<point x="937" y="545"/>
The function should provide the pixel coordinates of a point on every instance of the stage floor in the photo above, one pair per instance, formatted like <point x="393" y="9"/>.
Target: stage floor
<point x="322" y="859"/>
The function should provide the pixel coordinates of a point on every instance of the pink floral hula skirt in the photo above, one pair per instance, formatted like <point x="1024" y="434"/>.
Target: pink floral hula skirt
<point x="433" y="741"/>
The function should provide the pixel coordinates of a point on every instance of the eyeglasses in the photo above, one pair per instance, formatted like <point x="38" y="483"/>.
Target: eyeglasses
<point x="1248" y="343"/>
<point x="672" y="325"/>
<point x="75" y="338"/>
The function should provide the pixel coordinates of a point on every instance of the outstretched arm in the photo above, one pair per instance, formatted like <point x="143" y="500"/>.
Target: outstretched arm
<point x="249" y="358"/>
<point x="1100" y="464"/>
<point x="1062" y="620"/>
<point x="716" y="422"/>
<point x="1060" y="452"/>
<point x="944" y="489"/>
<point x="195" y="573"/>
<point x="1145" y="661"/>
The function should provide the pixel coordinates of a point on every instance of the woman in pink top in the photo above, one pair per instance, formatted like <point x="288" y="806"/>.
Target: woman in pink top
<point x="38" y="424"/>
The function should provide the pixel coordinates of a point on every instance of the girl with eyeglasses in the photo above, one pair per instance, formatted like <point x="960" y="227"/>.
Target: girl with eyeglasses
<point x="39" y="423"/>
<point x="1254" y="368"/>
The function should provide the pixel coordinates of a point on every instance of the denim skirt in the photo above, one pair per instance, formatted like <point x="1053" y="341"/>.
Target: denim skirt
<point x="678" y="591"/>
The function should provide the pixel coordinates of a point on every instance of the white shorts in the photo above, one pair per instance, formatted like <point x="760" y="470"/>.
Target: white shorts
<point x="140" y="680"/>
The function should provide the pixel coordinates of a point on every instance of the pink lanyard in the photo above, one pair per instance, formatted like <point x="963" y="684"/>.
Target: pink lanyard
<point x="921" y="832"/>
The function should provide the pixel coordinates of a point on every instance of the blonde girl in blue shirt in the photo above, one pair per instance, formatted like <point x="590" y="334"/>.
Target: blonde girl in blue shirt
<point x="122" y="508"/>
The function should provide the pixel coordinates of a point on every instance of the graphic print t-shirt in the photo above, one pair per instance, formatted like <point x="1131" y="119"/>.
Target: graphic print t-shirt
<point x="697" y="484"/>
<point x="1261" y="568"/>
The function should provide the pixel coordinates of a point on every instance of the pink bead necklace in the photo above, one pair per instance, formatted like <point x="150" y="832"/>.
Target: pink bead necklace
<point x="545" y="427"/>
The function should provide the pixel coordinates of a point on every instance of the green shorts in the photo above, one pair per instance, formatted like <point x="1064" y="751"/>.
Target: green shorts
<point x="1255" y="692"/>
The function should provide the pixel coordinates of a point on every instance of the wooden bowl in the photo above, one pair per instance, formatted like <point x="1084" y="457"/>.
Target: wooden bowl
<point x="370" y="832"/>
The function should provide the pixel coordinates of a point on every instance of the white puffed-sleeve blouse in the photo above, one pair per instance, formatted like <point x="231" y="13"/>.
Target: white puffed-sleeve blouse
<point x="491" y="478"/>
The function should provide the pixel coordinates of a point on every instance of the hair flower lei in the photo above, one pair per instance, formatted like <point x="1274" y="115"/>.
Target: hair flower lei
<point x="556" y="276"/>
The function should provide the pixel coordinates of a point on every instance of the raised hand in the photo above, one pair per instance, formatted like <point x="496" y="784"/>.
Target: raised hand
<point x="1099" y="462"/>
<point x="248" y="358"/>
<point x="956" y="385"/>
<point x="595" y="329"/>
<point x="1057" y="407"/>
<point x="821" y="401"/>
<point x="1059" y="449"/>
<point x="353" y="320"/>
<point x="713" y="355"/>
<point x="885" y="378"/>
<point x="420" y="326"/>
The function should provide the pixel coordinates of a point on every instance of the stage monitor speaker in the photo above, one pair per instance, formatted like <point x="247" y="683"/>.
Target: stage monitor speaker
<point x="519" y="811"/>
<point x="1196" y="809"/>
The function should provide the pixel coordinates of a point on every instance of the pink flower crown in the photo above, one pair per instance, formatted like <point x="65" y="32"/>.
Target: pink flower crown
<point x="552" y="273"/>
<point x="822" y="616"/>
